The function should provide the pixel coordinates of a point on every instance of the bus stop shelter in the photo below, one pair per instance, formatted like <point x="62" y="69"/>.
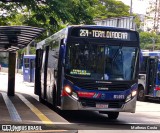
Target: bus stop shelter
<point x="13" y="38"/>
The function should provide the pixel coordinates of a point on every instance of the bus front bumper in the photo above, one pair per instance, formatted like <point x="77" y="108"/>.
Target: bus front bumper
<point x="69" y="103"/>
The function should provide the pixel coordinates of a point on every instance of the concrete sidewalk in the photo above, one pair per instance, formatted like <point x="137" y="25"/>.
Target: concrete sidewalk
<point x="25" y="108"/>
<point x="20" y="85"/>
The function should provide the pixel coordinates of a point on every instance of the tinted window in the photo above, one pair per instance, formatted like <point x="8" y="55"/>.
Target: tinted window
<point x="101" y="62"/>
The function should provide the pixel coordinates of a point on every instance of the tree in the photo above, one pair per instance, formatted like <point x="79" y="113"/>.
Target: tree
<point x="138" y="22"/>
<point x="115" y="8"/>
<point x="54" y="15"/>
<point x="8" y="11"/>
<point x="149" y="40"/>
<point x="51" y="14"/>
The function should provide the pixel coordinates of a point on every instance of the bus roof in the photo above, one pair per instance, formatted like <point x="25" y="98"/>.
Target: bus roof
<point x="60" y="33"/>
<point x="100" y="27"/>
<point x="64" y="32"/>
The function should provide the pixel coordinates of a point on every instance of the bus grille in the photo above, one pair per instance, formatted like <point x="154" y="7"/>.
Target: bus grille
<point x="92" y="85"/>
<point x="92" y="103"/>
<point x="98" y="86"/>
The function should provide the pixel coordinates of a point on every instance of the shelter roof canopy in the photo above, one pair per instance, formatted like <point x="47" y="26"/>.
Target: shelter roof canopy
<point x="13" y="38"/>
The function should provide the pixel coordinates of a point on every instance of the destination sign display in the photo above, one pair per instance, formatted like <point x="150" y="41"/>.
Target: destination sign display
<point x="103" y="34"/>
<point x="80" y="72"/>
<point x="108" y="34"/>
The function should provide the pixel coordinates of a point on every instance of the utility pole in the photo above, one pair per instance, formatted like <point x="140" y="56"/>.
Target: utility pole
<point x="156" y="16"/>
<point x="131" y="4"/>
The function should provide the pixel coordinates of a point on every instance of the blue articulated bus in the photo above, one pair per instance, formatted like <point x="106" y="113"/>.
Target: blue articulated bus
<point x="89" y="68"/>
<point x="149" y="76"/>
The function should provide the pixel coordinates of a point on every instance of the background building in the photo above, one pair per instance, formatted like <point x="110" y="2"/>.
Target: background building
<point x="152" y="18"/>
<point x="121" y="22"/>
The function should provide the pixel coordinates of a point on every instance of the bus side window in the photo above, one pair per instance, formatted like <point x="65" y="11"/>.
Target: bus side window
<point x="143" y="67"/>
<point x="54" y="54"/>
<point x="43" y="60"/>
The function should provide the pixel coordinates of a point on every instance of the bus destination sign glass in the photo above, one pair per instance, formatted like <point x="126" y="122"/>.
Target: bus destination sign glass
<point x="103" y="34"/>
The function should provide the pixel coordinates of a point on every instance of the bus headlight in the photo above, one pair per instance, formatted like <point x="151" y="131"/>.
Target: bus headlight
<point x="68" y="89"/>
<point x="74" y="95"/>
<point x="128" y="98"/>
<point x="134" y="93"/>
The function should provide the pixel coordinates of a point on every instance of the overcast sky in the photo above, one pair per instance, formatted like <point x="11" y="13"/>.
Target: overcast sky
<point x="139" y="6"/>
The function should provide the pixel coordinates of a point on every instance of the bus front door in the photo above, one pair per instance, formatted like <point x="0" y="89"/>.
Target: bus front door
<point x="44" y="74"/>
<point x="151" y="72"/>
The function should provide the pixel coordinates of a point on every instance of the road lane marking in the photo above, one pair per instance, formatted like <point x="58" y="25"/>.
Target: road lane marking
<point x="11" y="108"/>
<point x="40" y="115"/>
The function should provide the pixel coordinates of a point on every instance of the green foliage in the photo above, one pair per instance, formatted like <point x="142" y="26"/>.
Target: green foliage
<point x="32" y="50"/>
<point x="150" y="47"/>
<point x="8" y="12"/>
<point x="54" y="15"/>
<point x="115" y="8"/>
<point x="149" y="40"/>
<point x="51" y="14"/>
<point x="137" y="21"/>
<point x="23" y="51"/>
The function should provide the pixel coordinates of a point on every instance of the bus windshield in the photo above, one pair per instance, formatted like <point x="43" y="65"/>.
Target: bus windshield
<point x="100" y="61"/>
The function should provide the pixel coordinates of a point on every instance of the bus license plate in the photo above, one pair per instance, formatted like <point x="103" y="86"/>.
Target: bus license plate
<point x="101" y="105"/>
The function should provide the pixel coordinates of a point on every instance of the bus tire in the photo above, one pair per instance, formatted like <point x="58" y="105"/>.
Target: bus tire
<point x="113" y="115"/>
<point x="141" y="95"/>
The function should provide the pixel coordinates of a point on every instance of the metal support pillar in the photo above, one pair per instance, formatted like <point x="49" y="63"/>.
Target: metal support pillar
<point x="11" y="73"/>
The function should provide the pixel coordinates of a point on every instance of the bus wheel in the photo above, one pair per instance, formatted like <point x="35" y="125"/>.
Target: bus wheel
<point x="113" y="115"/>
<point x="140" y="96"/>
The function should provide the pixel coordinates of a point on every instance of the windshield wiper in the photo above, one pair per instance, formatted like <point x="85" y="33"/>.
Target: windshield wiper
<point x="116" y="53"/>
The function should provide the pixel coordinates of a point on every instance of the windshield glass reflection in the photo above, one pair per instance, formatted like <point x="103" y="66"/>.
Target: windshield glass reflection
<point x="100" y="62"/>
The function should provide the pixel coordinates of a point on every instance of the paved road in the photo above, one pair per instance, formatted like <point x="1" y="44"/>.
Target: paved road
<point x="146" y="113"/>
